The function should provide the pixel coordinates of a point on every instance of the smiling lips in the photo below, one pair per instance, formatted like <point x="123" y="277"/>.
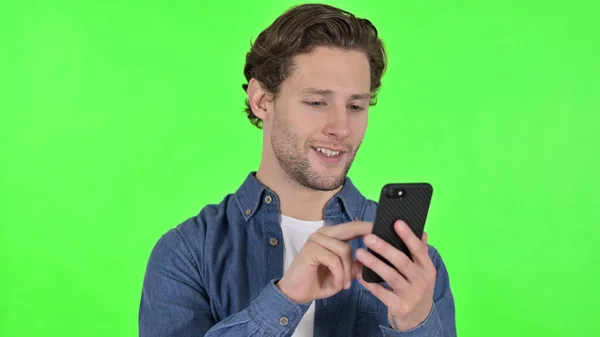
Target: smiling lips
<point x="327" y="152"/>
<point x="330" y="156"/>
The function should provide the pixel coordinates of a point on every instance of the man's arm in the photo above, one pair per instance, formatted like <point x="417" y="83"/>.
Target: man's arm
<point x="441" y="321"/>
<point x="175" y="301"/>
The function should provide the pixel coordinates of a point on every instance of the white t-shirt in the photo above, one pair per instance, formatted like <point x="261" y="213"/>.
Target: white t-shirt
<point x="295" y="234"/>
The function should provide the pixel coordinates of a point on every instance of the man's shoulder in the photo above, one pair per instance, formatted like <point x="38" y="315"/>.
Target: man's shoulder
<point x="210" y="217"/>
<point x="197" y="233"/>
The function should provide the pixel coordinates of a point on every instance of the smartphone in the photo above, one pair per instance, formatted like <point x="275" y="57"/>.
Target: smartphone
<point x="407" y="202"/>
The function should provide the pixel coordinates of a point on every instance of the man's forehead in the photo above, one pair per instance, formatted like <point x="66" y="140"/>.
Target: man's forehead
<point x="329" y="85"/>
<point x="329" y="72"/>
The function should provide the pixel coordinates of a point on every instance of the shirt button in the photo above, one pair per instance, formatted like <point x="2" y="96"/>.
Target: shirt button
<point x="248" y="211"/>
<point x="273" y="241"/>
<point x="268" y="199"/>
<point x="283" y="320"/>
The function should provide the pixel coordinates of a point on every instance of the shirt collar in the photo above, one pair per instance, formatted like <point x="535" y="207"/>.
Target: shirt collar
<point x="348" y="200"/>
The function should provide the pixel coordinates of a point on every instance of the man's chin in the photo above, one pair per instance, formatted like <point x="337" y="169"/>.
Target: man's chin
<point x="326" y="181"/>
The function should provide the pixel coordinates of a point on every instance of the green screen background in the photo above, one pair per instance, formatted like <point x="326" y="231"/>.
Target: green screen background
<point x="120" y="119"/>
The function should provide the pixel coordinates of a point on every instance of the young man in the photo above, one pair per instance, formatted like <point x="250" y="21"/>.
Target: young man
<point x="283" y="256"/>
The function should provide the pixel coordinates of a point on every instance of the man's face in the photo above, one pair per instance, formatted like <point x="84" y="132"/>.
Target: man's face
<point x="320" y="117"/>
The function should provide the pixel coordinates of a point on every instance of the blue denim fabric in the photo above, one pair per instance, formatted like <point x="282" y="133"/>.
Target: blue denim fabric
<point x="215" y="274"/>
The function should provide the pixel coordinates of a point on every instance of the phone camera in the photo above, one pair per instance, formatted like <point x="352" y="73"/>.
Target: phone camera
<point x="394" y="193"/>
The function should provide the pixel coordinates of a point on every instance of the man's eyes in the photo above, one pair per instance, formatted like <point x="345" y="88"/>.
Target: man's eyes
<point x="314" y="103"/>
<point x="356" y="108"/>
<point x="318" y="104"/>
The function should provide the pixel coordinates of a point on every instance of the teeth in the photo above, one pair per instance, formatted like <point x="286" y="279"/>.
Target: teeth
<point x="328" y="152"/>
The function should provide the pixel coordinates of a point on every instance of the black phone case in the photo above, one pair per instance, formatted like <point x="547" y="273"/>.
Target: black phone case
<point x="412" y="207"/>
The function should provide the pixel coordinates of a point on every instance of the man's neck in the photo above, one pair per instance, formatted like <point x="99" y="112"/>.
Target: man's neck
<point x="297" y="201"/>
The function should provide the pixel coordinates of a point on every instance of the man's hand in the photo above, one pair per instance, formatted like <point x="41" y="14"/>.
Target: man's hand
<point x="324" y="266"/>
<point x="411" y="298"/>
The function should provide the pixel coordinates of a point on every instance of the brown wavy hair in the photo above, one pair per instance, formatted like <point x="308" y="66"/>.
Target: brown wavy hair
<point x="298" y="31"/>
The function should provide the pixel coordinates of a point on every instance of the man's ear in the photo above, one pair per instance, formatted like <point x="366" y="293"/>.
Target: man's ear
<point x="258" y="98"/>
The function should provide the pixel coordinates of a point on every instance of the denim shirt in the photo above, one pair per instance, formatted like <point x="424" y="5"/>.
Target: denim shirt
<point x="215" y="274"/>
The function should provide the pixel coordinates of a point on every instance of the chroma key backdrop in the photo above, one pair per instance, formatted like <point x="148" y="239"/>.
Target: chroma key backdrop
<point x="120" y="119"/>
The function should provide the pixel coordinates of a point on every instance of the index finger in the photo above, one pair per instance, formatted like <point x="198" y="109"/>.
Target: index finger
<point x="348" y="231"/>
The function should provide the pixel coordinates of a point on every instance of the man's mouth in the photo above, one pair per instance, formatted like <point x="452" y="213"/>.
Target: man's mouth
<point x="327" y="152"/>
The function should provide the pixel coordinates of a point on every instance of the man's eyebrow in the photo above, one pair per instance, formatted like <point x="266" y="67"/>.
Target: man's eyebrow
<point x="361" y="96"/>
<point x="315" y="91"/>
<point x="326" y="92"/>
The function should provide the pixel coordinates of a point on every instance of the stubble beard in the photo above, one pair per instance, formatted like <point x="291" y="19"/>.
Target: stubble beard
<point x="293" y="160"/>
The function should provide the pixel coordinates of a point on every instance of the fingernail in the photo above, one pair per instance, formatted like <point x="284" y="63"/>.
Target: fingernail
<point x="370" y="239"/>
<point x="360" y="253"/>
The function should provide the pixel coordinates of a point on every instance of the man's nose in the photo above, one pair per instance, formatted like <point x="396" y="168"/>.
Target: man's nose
<point x="338" y="123"/>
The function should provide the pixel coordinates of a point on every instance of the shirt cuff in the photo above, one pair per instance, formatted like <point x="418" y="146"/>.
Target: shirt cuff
<point x="430" y="327"/>
<point x="274" y="313"/>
